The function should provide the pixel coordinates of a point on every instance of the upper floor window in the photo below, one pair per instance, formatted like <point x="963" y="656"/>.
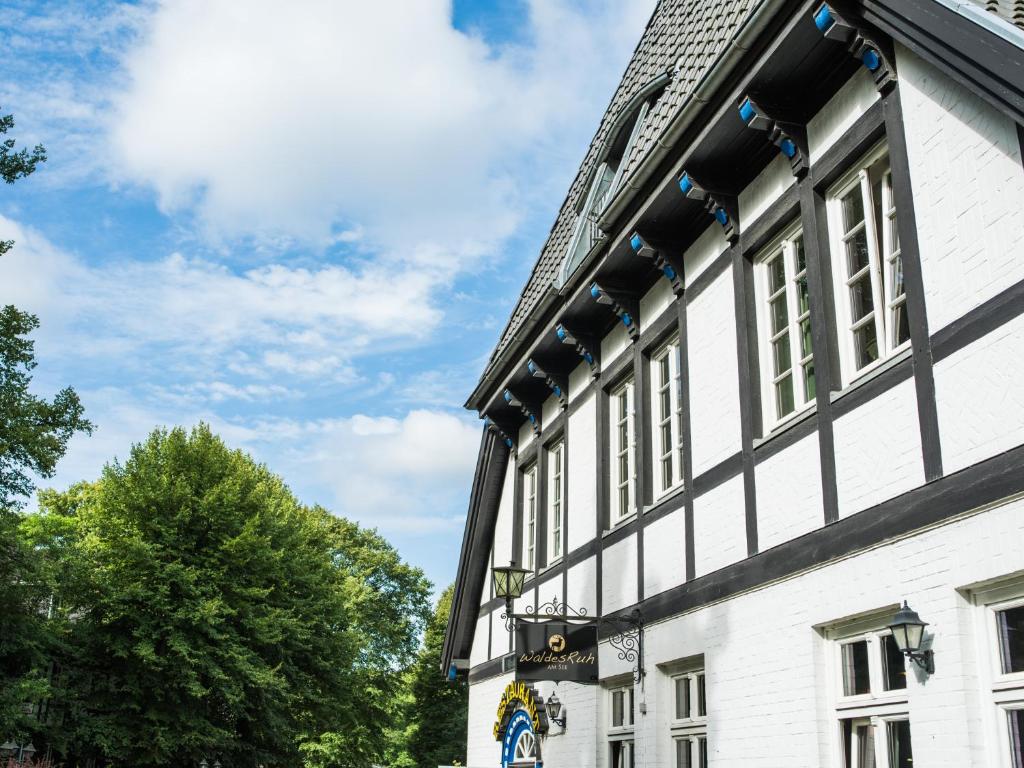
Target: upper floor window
<point x="621" y="727"/>
<point x="530" y="518"/>
<point x="667" y="413"/>
<point x="556" y="463"/>
<point x="868" y="268"/>
<point x="784" y="320"/>
<point x="623" y="446"/>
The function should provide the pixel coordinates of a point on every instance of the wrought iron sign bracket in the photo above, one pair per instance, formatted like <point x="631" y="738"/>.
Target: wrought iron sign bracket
<point x="627" y="632"/>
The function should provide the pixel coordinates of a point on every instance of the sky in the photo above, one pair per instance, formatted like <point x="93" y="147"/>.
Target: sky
<point x="303" y="223"/>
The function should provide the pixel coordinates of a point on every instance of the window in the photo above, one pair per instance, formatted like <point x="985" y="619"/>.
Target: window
<point x="620" y="727"/>
<point x="1005" y="643"/>
<point x="870" y="296"/>
<point x="871" y="695"/>
<point x="668" y="416"/>
<point x="784" y="317"/>
<point x="689" y="726"/>
<point x="556" y="458"/>
<point x="623" y="445"/>
<point x="530" y="518"/>
<point x="606" y="181"/>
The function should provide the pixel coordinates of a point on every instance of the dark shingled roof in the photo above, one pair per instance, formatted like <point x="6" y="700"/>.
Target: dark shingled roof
<point x="1011" y="10"/>
<point x="683" y="37"/>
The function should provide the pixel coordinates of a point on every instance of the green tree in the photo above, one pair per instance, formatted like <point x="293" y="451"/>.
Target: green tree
<point x="437" y="716"/>
<point x="34" y="434"/>
<point x="205" y="613"/>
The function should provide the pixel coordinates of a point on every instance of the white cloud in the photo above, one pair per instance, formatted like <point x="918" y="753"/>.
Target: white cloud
<point x="284" y="118"/>
<point x="260" y="322"/>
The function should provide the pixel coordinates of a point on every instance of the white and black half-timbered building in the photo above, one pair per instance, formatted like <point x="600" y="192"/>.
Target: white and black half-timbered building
<point x="758" y="414"/>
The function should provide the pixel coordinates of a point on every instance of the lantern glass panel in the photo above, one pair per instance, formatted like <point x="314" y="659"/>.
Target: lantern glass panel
<point x="518" y="577"/>
<point x="500" y="577"/>
<point x="914" y="634"/>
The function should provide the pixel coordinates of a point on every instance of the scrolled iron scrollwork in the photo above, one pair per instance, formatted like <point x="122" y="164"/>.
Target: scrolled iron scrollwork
<point x="554" y="609"/>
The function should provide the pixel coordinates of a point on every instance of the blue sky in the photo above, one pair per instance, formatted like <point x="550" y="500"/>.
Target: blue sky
<point x="304" y="223"/>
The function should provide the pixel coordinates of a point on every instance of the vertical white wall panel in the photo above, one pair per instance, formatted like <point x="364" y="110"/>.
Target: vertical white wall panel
<point x="503" y="525"/>
<point x="619" y="575"/>
<point x="478" y="654"/>
<point x="965" y="168"/>
<point x="615" y="343"/>
<point x="842" y="111"/>
<point x="709" y="246"/>
<point x="579" y="380"/>
<point x="549" y="411"/>
<point x="789" y="502"/>
<point x="582" y="474"/>
<point x="582" y="586"/>
<point x="878" y="450"/>
<point x="658" y="300"/>
<point x="765" y="189"/>
<point x="719" y="527"/>
<point x="665" y="553"/>
<point x="714" y="378"/>
<point x="979" y="397"/>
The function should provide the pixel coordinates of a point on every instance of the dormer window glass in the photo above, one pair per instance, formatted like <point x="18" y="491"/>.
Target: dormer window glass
<point x="603" y="186"/>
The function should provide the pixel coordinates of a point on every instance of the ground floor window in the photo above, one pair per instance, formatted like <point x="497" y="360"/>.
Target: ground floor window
<point x="877" y="742"/>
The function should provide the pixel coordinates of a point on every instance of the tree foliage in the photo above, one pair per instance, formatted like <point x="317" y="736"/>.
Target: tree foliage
<point x="16" y="163"/>
<point x="203" y="612"/>
<point x="439" y="708"/>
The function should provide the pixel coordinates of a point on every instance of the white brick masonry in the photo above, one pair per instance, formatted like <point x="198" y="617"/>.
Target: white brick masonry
<point x="665" y="553"/>
<point x="714" y="380"/>
<point x="615" y="343"/>
<point x="482" y="750"/>
<point x="705" y="249"/>
<point x="838" y="116"/>
<point x="878" y="450"/>
<point x="719" y="527"/>
<point x="582" y="585"/>
<point x="764" y="190"/>
<point x="789" y="493"/>
<point x="619" y="577"/>
<point x="965" y="168"/>
<point x="656" y="301"/>
<point x="770" y="698"/>
<point x="979" y="398"/>
<point x="582" y="474"/>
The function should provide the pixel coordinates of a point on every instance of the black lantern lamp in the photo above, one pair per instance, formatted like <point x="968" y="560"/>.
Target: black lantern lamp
<point x="908" y="631"/>
<point x="8" y="749"/>
<point x="556" y="710"/>
<point x="508" y="582"/>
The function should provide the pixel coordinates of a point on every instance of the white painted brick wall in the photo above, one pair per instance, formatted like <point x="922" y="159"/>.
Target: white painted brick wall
<point x="582" y="585"/>
<point x="838" y="116"/>
<point x="655" y="302"/>
<point x="665" y="553"/>
<point x="705" y="249"/>
<point x="619" y="577"/>
<point x="979" y="399"/>
<point x="965" y="167"/>
<point x="482" y="749"/>
<point x="615" y="343"/>
<point x="582" y="474"/>
<point x="788" y="492"/>
<point x="714" y="379"/>
<point x="719" y="527"/>
<point x="878" y="450"/>
<point x="503" y="525"/>
<point x="765" y="189"/>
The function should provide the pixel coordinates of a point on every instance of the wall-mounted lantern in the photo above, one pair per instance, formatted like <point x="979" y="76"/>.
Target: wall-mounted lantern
<point x="908" y="632"/>
<point x="556" y="710"/>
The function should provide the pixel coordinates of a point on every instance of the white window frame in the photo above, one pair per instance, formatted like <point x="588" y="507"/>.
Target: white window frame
<point x="693" y="729"/>
<point x="879" y="271"/>
<point x="1005" y="691"/>
<point x="784" y="247"/>
<point x="530" y="517"/>
<point x="878" y="707"/>
<point x="667" y="425"/>
<point x="626" y="391"/>
<point x="555" y="500"/>
<point x="625" y="732"/>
